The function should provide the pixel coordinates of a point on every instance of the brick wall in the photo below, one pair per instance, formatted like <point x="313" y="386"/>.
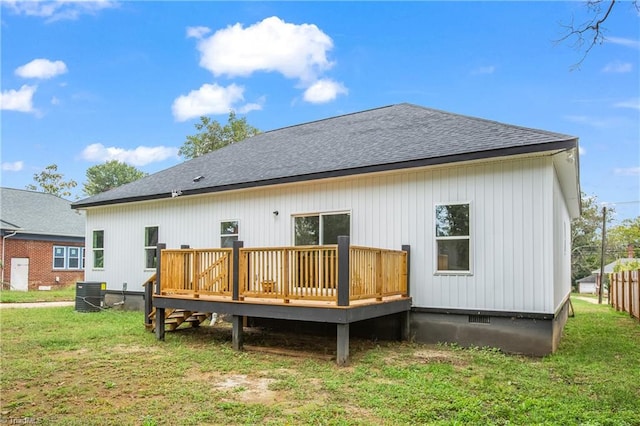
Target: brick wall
<point x="40" y="255"/>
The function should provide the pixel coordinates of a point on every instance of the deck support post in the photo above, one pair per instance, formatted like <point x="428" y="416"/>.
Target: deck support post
<point x="237" y="336"/>
<point x="159" y="311"/>
<point x="148" y="302"/>
<point x="343" y="272"/>
<point x="160" y="323"/>
<point x="405" y="317"/>
<point x="342" y="350"/>
<point x="407" y="248"/>
<point x="405" y="326"/>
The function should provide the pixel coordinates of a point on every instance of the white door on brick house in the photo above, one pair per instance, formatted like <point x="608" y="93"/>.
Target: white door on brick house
<point x="20" y="273"/>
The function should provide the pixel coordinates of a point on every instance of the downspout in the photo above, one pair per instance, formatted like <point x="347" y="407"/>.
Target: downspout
<point x="4" y="238"/>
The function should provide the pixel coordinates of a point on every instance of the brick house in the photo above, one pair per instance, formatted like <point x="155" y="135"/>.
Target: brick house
<point x="42" y="240"/>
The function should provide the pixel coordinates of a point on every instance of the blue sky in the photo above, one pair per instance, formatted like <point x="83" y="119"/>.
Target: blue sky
<point x="83" y="83"/>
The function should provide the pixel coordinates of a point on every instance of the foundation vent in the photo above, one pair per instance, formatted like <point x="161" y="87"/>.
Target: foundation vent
<point x="480" y="319"/>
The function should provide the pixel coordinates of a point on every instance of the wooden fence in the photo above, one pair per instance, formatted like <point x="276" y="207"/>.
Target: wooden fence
<point x="624" y="292"/>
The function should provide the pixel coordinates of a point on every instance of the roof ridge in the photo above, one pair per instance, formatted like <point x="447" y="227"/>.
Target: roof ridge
<point x="488" y="120"/>
<point x="329" y="118"/>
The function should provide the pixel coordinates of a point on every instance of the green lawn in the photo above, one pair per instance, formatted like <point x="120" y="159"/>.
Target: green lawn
<point x="65" y="294"/>
<point x="64" y="367"/>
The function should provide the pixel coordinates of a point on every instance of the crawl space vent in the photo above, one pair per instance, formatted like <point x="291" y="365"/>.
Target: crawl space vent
<point x="480" y="319"/>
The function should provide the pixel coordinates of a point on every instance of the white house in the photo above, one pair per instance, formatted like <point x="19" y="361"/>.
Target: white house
<point x="485" y="207"/>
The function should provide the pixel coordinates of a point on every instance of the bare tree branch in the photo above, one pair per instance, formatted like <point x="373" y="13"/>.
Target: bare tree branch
<point x="590" y="32"/>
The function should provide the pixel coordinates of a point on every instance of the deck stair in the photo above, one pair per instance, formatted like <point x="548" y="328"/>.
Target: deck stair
<point x="176" y="317"/>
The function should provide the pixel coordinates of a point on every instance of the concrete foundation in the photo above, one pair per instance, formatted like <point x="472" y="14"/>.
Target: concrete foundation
<point x="536" y="335"/>
<point x="133" y="301"/>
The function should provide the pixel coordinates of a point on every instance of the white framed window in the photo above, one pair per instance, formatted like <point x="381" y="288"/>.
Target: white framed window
<point x="59" y="257"/>
<point x="97" y="245"/>
<point x="320" y="228"/>
<point x="150" y="247"/>
<point x="453" y="237"/>
<point x="228" y="233"/>
<point x="67" y="257"/>
<point x="73" y="257"/>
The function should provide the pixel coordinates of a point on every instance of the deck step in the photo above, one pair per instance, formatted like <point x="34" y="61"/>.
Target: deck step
<point x="175" y="317"/>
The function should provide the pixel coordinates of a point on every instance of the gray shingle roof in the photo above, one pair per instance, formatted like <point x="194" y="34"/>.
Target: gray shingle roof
<point x="39" y="213"/>
<point x="387" y="138"/>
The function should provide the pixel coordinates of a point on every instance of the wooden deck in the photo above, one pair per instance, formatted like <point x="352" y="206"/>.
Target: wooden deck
<point x="338" y="284"/>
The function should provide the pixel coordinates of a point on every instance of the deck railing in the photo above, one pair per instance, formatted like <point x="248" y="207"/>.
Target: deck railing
<point x="286" y="273"/>
<point x="377" y="273"/>
<point x="196" y="271"/>
<point x="306" y="272"/>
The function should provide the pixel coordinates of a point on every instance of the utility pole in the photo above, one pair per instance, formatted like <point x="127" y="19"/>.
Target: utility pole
<point x="604" y="239"/>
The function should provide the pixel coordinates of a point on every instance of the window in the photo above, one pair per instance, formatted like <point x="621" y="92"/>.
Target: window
<point x="228" y="233"/>
<point x="150" y="247"/>
<point x="59" y="257"/>
<point x="98" y="249"/>
<point x="321" y="229"/>
<point x="74" y="257"/>
<point x="453" y="237"/>
<point x="65" y="257"/>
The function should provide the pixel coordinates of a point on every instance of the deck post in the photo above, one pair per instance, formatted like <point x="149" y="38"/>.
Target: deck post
<point x="237" y="245"/>
<point x="148" y="302"/>
<point x="159" y="248"/>
<point x="405" y="317"/>
<point x="343" y="273"/>
<point x="237" y="321"/>
<point x="342" y="350"/>
<point x="159" y="311"/>
<point x="407" y="248"/>
<point x="237" y="336"/>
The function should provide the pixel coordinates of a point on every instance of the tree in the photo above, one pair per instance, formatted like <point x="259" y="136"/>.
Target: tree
<point x="51" y="182"/>
<point x="586" y="238"/>
<point x="623" y="235"/>
<point x="591" y="32"/>
<point x="112" y="174"/>
<point x="214" y="136"/>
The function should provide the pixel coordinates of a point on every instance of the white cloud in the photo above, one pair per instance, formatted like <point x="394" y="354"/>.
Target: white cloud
<point x="618" y="67"/>
<point x="630" y="171"/>
<point x="324" y="91"/>
<point x="209" y="99"/>
<point x="484" y="70"/>
<point x="18" y="100"/>
<point x="197" y="32"/>
<point x="139" y="156"/>
<point x="16" y="166"/>
<point x="582" y="150"/>
<point x="635" y="44"/>
<point x="272" y="45"/>
<point x="41" y="68"/>
<point x="55" y="101"/>
<point x="59" y="10"/>
<point x="630" y="103"/>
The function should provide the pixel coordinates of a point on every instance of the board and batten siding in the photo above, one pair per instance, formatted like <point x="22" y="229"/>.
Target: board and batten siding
<point x="561" y="246"/>
<point x="512" y="224"/>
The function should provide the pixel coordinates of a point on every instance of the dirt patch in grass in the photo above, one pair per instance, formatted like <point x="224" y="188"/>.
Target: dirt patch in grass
<point x="437" y="356"/>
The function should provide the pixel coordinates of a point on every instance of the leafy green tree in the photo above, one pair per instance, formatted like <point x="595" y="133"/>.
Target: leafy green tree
<point x="112" y="174"/>
<point x="586" y="238"/>
<point x="623" y="235"/>
<point x="52" y="182"/>
<point x="212" y="135"/>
